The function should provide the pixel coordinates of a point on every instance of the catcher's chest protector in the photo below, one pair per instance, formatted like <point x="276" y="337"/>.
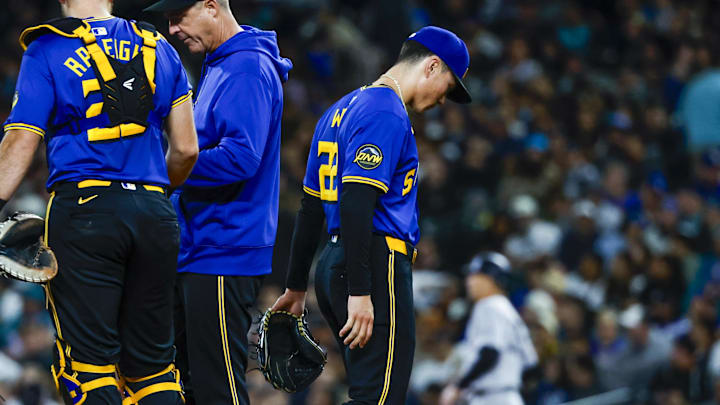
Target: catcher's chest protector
<point x="127" y="89"/>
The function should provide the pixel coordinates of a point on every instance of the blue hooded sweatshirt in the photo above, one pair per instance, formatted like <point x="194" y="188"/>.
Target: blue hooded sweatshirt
<point x="228" y="208"/>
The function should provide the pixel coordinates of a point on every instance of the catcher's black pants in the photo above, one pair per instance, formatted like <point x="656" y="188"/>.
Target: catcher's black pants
<point x="213" y="315"/>
<point x="379" y="373"/>
<point x="112" y="300"/>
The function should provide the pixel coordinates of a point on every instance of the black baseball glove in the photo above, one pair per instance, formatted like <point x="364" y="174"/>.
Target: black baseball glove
<point x="23" y="255"/>
<point x="288" y="355"/>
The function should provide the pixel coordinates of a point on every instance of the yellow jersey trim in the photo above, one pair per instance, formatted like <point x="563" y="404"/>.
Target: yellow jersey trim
<point x="182" y="99"/>
<point x="27" y="127"/>
<point x="373" y="86"/>
<point x="99" y="19"/>
<point x="366" y="180"/>
<point x="311" y="191"/>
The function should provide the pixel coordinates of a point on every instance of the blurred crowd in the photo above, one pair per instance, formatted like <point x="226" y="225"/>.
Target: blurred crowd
<point x="590" y="157"/>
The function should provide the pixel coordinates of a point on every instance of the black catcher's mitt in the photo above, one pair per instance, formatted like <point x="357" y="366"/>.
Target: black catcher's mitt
<point x="288" y="356"/>
<point x="23" y="255"/>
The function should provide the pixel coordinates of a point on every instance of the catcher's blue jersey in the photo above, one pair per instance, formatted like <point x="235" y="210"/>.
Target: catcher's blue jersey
<point x="366" y="137"/>
<point x="50" y="92"/>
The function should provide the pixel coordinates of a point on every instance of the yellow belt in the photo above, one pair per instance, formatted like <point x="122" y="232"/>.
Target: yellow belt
<point x="400" y="246"/>
<point x="107" y="183"/>
<point x="394" y="244"/>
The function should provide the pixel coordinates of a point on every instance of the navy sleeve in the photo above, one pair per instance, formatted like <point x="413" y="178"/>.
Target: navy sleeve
<point x="357" y="207"/>
<point x="242" y="115"/>
<point x="305" y="238"/>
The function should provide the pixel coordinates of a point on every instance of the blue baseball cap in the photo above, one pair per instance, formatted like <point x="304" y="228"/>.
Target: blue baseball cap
<point x="453" y="51"/>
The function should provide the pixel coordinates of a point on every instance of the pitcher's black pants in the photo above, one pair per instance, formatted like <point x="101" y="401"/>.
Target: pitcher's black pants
<point x="379" y="373"/>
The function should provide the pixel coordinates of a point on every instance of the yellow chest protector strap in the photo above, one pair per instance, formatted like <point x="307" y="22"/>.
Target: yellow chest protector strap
<point x="150" y="39"/>
<point x="98" y="56"/>
<point x="127" y="89"/>
<point x="76" y="28"/>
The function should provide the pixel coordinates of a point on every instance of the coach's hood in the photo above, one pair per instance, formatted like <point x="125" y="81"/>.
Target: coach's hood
<point x="253" y="39"/>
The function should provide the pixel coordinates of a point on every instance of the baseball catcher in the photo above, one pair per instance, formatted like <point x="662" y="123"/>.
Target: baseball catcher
<point x="288" y="355"/>
<point x="23" y="254"/>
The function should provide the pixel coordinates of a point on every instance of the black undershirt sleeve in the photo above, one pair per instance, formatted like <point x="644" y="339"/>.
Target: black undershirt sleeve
<point x="305" y="239"/>
<point x="2" y="204"/>
<point x="487" y="359"/>
<point x="357" y="206"/>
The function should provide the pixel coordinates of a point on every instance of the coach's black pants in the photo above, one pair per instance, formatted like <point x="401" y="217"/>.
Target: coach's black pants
<point x="112" y="300"/>
<point x="213" y="315"/>
<point x="379" y="373"/>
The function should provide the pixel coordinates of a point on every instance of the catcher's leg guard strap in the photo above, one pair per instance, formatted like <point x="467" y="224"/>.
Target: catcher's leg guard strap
<point x="170" y="368"/>
<point x="68" y="382"/>
<point x="136" y="389"/>
<point x="77" y="391"/>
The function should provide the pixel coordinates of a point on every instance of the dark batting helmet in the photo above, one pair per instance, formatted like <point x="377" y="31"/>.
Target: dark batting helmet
<point x="493" y="264"/>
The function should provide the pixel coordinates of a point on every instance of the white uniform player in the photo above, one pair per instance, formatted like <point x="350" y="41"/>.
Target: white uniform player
<point x="497" y="340"/>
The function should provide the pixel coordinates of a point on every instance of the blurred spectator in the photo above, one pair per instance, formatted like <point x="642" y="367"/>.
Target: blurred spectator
<point x="533" y="237"/>
<point x="582" y="379"/>
<point x="645" y="352"/>
<point x="579" y="239"/>
<point x="680" y="377"/>
<point x="590" y="159"/>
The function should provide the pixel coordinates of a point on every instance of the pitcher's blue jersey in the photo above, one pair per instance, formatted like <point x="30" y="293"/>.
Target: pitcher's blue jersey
<point x="50" y="93"/>
<point x="366" y="137"/>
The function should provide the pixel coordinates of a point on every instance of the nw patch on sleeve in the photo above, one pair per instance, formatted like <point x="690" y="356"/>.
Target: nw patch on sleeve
<point x="368" y="156"/>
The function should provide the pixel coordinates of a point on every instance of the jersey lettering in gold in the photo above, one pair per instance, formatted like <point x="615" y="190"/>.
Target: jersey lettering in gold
<point x="120" y="50"/>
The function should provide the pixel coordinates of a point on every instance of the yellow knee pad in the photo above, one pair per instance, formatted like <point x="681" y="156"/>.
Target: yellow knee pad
<point x="134" y="391"/>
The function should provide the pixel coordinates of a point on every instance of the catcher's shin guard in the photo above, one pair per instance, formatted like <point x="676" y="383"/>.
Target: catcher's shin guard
<point x="163" y="388"/>
<point x="78" y="381"/>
